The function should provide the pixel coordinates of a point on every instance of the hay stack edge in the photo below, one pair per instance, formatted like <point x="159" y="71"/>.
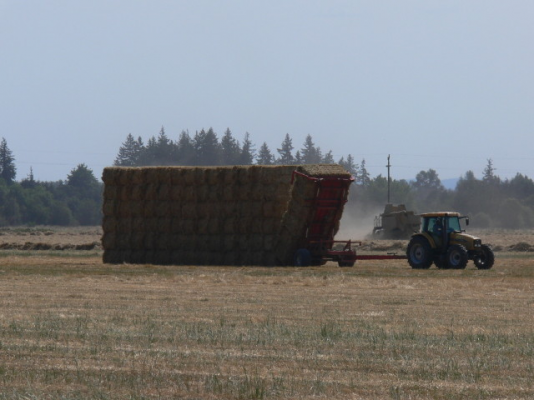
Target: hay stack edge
<point x="241" y="215"/>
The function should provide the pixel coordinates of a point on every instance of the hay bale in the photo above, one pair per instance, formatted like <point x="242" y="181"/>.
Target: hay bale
<point x="109" y="240"/>
<point x="122" y="241"/>
<point x="112" y="257"/>
<point x="111" y="192"/>
<point x="137" y="257"/>
<point x="163" y="209"/>
<point x="123" y="209"/>
<point x="137" y="176"/>
<point x="138" y="192"/>
<point x="137" y="240"/>
<point x="109" y="177"/>
<point x="109" y="224"/>
<point x="138" y="224"/>
<point x="137" y="208"/>
<point x="176" y="194"/>
<point x="150" y="209"/>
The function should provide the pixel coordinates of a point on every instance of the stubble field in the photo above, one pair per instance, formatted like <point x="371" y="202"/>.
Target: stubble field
<point x="72" y="327"/>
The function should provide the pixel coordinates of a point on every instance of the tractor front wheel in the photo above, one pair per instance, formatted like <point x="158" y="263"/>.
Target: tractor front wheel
<point x="485" y="258"/>
<point x="457" y="256"/>
<point x="419" y="253"/>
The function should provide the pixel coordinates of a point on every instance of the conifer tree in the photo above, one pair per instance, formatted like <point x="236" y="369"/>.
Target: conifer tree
<point x="328" y="158"/>
<point x="363" y="177"/>
<point x="349" y="165"/>
<point x="247" y="152"/>
<point x="185" y="151"/>
<point x="310" y="153"/>
<point x="8" y="171"/>
<point x="130" y="152"/>
<point x="230" y="150"/>
<point x="207" y="148"/>
<point x="286" y="152"/>
<point x="265" y="157"/>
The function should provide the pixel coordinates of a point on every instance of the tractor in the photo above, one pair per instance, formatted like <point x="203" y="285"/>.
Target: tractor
<point x="442" y="241"/>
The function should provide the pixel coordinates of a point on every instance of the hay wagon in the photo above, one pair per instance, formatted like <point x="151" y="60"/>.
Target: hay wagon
<point x="317" y="244"/>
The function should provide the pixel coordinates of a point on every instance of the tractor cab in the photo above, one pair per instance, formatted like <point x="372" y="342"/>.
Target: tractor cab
<point x="441" y="227"/>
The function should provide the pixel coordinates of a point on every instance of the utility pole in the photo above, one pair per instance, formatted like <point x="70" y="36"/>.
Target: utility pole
<point x="389" y="178"/>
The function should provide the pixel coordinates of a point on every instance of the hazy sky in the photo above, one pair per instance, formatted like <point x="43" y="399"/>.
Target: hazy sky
<point x="436" y="84"/>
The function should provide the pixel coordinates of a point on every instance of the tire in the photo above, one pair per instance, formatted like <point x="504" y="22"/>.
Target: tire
<point x="457" y="257"/>
<point x="419" y="253"/>
<point x="485" y="258"/>
<point x="302" y="258"/>
<point x="349" y="264"/>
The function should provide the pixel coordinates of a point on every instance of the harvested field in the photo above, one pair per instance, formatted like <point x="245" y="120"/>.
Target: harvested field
<point x="73" y="327"/>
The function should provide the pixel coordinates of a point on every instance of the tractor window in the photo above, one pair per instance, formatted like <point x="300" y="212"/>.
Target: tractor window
<point x="454" y="224"/>
<point x="433" y="225"/>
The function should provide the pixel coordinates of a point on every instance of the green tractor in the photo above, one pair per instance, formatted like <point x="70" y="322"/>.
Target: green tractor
<point x="443" y="242"/>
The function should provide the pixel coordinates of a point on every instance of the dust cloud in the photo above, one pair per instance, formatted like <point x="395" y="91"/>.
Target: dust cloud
<point x="357" y="225"/>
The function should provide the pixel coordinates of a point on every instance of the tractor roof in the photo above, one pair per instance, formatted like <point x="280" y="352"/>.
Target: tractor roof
<point x="441" y="214"/>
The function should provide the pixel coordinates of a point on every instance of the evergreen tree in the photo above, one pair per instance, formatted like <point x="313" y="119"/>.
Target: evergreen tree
<point x="286" y="152"/>
<point x="349" y="165"/>
<point x="185" y="151"/>
<point x="265" y="157"/>
<point x="429" y="191"/>
<point x="328" y="158"/>
<point x="29" y="182"/>
<point x="298" y="158"/>
<point x="8" y="171"/>
<point x="207" y="148"/>
<point x="230" y="150"/>
<point x="310" y="153"/>
<point x="489" y="174"/>
<point x="129" y="152"/>
<point x="247" y="152"/>
<point x="164" y="151"/>
<point x="363" y="178"/>
<point x="520" y="186"/>
<point x="149" y="154"/>
<point x="81" y="177"/>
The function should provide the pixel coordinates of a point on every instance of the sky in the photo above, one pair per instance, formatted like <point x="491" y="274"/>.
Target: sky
<point x="443" y="85"/>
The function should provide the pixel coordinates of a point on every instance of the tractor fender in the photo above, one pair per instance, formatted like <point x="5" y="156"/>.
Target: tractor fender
<point x="428" y="237"/>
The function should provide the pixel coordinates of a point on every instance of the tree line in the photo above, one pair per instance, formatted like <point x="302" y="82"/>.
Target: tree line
<point x="75" y="201"/>
<point x="204" y="148"/>
<point x="490" y="200"/>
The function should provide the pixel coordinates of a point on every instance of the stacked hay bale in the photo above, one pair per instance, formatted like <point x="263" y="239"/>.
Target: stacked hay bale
<point x="194" y="215"/>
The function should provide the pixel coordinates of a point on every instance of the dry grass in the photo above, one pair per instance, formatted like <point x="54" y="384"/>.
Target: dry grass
<point x="72" y="327"/>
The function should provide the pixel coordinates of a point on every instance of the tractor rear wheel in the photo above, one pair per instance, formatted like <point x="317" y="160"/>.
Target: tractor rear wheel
<point x="457" y="256"/>
<point x="485" y="258"/>
<point x="419" y="253"/>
